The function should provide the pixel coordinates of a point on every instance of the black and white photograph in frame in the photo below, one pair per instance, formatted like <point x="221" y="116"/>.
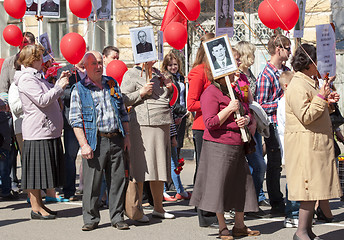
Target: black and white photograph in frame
<point x="220" y="56"/>
<point x="102" y="8"/>
<point x="50" y="8"/>
<point x="143" y="44"/>
<point x="48" y="53"/>
<point x="225" y="17"/>
<point x="299" y="26"/>
<point x="160" y="45"/>
<point x="31" y="7"/>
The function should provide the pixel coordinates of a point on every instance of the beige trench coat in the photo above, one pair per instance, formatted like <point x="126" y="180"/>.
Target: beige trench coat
<point x="308" y="140"/>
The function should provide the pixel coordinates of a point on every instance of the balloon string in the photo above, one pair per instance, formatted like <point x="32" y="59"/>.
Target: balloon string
<point x="254" y="34"/>
<point x="180" y="10"/>
<point x="277" y="15"/>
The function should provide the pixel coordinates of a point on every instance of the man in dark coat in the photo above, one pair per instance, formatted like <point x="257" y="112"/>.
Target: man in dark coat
<point x="143" y="46"/>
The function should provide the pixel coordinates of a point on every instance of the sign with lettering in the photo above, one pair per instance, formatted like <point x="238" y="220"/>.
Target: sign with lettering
<point x="326" y="49"/>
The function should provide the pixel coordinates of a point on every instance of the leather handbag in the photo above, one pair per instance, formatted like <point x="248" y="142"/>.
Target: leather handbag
<point x="336" y="117"/>
<point x="133" y="206"/>
<point x="250" y="146"/>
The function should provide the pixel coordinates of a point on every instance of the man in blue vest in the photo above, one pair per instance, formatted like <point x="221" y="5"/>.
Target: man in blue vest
<point x="100" y="123"/>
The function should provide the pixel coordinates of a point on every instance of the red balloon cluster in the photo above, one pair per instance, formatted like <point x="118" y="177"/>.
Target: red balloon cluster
<point x="81" y="8"/>
<point x="279" y="13"/>
<point x="73" y="47"/>
<point x="175" y="33"/>
<point x="116" y="70"/>
<point x="15" y="8"/>
<point x="13" y="35"/>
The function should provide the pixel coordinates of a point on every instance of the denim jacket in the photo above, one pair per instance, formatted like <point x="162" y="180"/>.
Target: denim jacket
<point x="88" y="109"/>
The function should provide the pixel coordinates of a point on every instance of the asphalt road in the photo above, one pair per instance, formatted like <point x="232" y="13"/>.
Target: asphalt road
<point x="15" y="222"/>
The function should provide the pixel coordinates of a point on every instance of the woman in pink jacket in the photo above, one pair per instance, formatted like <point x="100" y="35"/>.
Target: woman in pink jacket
<point x="41" y="129"/>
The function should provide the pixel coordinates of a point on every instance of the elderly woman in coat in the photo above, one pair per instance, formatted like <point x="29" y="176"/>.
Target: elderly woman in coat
<point x="150" y="119"/>
<point x="309" y="148"/>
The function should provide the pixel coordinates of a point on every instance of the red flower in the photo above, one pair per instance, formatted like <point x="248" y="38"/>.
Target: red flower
<point x="52" y="71"/>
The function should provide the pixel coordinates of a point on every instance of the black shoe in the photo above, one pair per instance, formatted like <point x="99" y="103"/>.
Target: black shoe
<point x="264" y="203"/>
<point x="259" y="214"/>
<point x="39" y="216"/>
<point x="89" y="226"/>
<point x="121" y="225"/>
<point x="50" y="211"/>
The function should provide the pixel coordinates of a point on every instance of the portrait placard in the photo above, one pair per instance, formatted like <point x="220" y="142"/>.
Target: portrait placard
<point x="31" y="7"/>
<point x="48" y="53"/>
<point x="224" y="17"/>
<point x="160" y="45"/>
<point x="50" y="8"/>
<point x="326" y="49"/>
<point x="299" y="27"/>
<point x="220" y="56"/>
<point x="142" y="41"/>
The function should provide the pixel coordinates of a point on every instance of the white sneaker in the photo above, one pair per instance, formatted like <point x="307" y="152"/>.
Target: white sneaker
<point x="291" y="222"/>
<point x="144" y="219"/>
<point x="164" y="215"/>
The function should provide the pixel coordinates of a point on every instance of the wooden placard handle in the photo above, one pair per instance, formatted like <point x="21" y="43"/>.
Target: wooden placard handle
<point x="231" y="94"/>
<point x="148" y="70"/>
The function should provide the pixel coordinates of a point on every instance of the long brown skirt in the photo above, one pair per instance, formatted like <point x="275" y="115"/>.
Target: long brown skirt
<point x="223" y="180"/>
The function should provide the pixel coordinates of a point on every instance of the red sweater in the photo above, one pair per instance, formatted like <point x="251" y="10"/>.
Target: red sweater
<point x="212" y="102"/>
<point x="198" y="82"/>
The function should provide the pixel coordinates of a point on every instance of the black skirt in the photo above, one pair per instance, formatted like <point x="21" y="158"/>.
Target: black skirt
<point x="43" y="162"/>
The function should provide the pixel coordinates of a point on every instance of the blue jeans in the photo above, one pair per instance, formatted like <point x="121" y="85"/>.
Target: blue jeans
<point x="71" y="146"/>
<point x="5" y="171"/>
<point x="258" y="167"/>
<point x="274" y="169"/>
<point x="175" y="177"/>
<point x="292" y="207"/>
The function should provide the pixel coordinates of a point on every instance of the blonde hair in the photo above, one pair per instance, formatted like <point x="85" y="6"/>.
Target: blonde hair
<point x="277" y="41"/>
<point x="285" y="79"/>
<point x="29" y="54"/>
<point x="246" y="51"/>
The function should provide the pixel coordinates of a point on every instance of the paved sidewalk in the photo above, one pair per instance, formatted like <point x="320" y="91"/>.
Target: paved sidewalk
<point x="15" y="222"/>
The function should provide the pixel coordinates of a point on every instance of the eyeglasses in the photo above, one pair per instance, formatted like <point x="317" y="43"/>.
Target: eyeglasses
<point x="286" y="48"/>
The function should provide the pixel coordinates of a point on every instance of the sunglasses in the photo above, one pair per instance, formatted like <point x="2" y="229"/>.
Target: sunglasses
<point x="286" y="48"/>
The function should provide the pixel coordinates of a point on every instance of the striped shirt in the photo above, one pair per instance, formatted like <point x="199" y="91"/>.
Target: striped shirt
<point x="269" y="91"/>
<point x="106" y="120"/>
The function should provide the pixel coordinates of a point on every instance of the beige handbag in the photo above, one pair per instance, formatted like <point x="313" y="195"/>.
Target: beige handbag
<point x="133" y="206"/>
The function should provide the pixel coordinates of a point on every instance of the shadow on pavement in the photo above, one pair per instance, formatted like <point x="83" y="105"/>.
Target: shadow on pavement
<point x="12" y="221"/>
<point x="337" y="234"/>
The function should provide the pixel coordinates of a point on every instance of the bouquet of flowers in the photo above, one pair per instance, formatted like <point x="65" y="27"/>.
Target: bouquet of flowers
<point x="51" y="72"/>
<point x="179" y="167"/>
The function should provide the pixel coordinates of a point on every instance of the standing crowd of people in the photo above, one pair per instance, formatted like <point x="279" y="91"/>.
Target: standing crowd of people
<point x="133" y="126"/>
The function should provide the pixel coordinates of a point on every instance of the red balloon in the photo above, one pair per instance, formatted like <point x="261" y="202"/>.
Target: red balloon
<point x="288" y="12"/>
<point x="174" y="96"/>
<point x="189" y="9"/>
<point x="81" y="8"/>
<point x="1" y="62"/>
<point x="13" y="35"/>
<point x="15" y="8"/>
<point x="267" y="14"/>
<point x="73" y="47"/>
<point x="116" y="70"/>
<point x="176" y="35"/>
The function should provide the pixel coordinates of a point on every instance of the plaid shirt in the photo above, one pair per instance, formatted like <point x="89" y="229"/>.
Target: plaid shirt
<point x="269" y="91"/>
<point x="106" y="120"/>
